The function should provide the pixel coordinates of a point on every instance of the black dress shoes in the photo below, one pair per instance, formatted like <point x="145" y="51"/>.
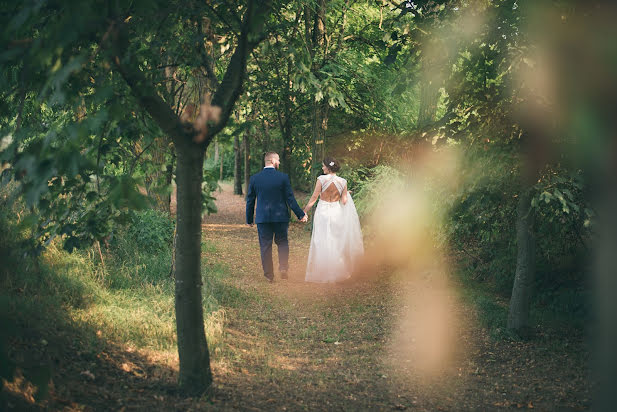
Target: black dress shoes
<point x="284" y="274"/>
<point x="270" y="278"/>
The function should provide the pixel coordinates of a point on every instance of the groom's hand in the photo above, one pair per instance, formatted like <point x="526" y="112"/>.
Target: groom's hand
<point x="304" y="218"/>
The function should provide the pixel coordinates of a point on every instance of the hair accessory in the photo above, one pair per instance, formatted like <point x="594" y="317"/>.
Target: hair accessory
<point x="331" y="163"/>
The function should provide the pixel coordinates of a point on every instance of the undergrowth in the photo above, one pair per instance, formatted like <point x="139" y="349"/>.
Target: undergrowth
<point x="120" y="292"/>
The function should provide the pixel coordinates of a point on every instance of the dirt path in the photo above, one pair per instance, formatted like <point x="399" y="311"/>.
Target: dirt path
<point x="352" y="346"/>
<point x="373" y="343"/>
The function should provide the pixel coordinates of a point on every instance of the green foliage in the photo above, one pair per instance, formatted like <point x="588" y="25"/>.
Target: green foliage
<point x="481" y="223"/>
<point x="129" y="295"/>
<point x="150" y="231"/>
<point x="367" y="185"/>
<point x="481" y="231"/>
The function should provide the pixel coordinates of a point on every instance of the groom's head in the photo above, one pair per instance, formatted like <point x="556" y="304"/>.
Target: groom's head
<point x="272" y="159"/>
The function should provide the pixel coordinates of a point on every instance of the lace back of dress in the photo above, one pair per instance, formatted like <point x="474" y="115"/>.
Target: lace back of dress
<point x="332" y="189"/>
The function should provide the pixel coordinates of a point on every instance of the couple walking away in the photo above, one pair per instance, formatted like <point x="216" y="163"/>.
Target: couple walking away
<point x="336" y="242"/>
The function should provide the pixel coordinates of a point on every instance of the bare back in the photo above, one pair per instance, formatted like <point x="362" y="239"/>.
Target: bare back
<point x="332" y="188"/>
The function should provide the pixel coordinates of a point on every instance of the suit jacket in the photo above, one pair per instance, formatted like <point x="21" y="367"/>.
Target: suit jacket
<point x="273" y="193"/>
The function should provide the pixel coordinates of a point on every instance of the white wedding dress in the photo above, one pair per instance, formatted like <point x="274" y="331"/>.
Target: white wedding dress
<point x="336" y="242"/>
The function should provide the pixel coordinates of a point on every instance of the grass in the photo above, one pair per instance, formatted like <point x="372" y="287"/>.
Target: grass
<point x="127" y="300"/>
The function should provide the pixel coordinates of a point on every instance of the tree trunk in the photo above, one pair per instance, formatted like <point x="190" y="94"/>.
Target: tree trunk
<point x="221" y="168"/>
<point x="266" y="140"/>
<point x="169" y="176"/>
<point x="237" y="167"/>
<point x="287" y="149"/>
<point x="320" y="108"/>
<point x="319" y="127"/>
<point x="216" y="152"/>
<point x="247" y="161"/>
<point x="195" y="374"/>
<point x="518" y="316"/>
<point x="605" y="284"/>
<point x="154" y="180"/>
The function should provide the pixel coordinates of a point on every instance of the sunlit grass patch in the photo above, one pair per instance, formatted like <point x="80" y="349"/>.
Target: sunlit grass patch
<point x="127" y="300"/>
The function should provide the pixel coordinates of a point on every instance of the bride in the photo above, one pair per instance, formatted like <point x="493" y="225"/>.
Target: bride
<point x="336" y="242"/>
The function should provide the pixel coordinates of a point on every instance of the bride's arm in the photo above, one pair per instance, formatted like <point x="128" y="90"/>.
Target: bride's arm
<point x="314" y="196"/>
<point x="344" y="195"/>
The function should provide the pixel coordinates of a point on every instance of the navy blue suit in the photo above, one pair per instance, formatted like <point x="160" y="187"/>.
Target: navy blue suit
<point x="272" y="192"/>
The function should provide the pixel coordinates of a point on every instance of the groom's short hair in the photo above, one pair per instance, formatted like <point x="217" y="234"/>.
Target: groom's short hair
<point x="269" y="156"/>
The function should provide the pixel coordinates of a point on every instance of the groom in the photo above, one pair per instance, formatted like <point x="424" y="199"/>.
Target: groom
<point x="273" y="193"/>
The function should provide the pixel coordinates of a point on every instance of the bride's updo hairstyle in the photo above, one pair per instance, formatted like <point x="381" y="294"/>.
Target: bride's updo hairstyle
<point x="332" y="164"/>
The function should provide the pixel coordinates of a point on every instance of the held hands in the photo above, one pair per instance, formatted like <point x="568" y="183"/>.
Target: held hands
<point x="304" y="218"/>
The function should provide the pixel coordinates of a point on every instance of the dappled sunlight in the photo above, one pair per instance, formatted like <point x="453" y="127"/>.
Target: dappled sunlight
<point x="425" y="341"/>
<point x="291" y="363"/>
<point x="404" y="223"/>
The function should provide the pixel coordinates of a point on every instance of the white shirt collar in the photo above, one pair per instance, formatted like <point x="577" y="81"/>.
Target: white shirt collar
<point x="269" y="167"/>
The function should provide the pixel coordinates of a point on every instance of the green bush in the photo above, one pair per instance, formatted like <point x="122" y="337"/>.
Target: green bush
<point x="481" y="231"/>
<point x="150" y="230"/>
<point x="368" y="183"/>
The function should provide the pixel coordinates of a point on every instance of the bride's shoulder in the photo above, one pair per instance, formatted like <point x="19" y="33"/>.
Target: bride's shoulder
<point x="342" y="180"/>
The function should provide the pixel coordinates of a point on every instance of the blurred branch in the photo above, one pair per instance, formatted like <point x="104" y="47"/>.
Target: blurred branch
<point x="223" y="19"/>
<point x="207" y="62"/>
<point x="161" y="112"/>
<point x="230" y="87"/>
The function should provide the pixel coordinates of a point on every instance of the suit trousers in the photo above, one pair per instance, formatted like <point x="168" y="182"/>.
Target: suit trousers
<point x="276" y="231"/>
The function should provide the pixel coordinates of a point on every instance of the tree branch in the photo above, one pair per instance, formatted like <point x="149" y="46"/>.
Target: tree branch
<point x="207" y="62"/>
<point x="144" y="90"/>
<point x="231" y="86"/>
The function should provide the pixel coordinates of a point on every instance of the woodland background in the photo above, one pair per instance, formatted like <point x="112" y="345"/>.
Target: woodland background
<point x="120" y="122"/>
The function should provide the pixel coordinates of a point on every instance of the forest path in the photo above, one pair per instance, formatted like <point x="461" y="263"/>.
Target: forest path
<point x="291" y="345"/>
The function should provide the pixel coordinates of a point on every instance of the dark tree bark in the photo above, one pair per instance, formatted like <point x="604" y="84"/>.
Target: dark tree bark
<point x="518" y="315"/>
<point x="320" y="108"/>
<point x="169" y="174"/>
<point x="247" y="161"/>
<point x="237" y="166"/>
<point x="195" y="373"/>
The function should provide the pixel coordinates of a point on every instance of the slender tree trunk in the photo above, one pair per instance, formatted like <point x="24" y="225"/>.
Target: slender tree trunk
<point x="169" y="175"/>
<point x="216" y="152"/>
<point x="518" y="316"/>
<point x="195" y="373"/>
<point x="266" y="140"/>
<point x="221" y="168"/>
<point x="287" y="149"/>
<point x="247" y="161"/>
<point x="320" y="108"/>
<point x="319" y="128"/>
<point x="237" y="167"/>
